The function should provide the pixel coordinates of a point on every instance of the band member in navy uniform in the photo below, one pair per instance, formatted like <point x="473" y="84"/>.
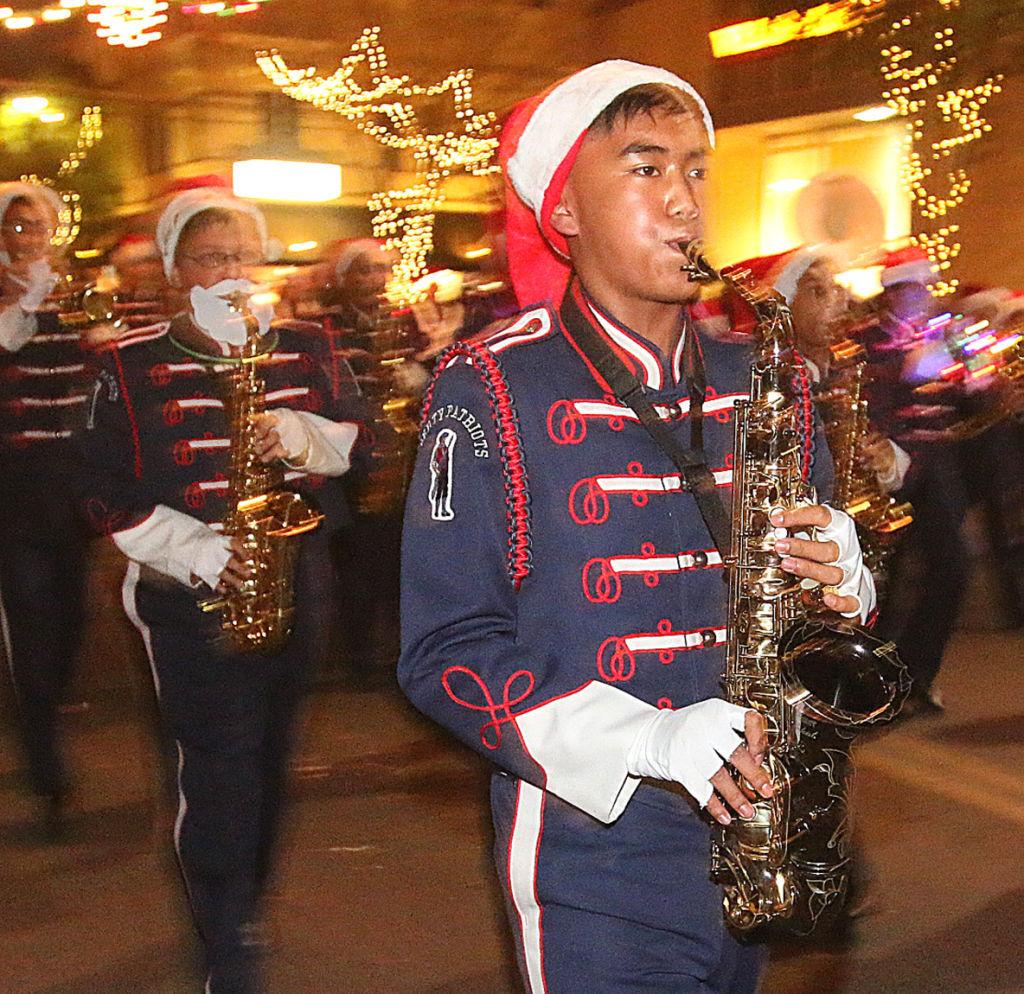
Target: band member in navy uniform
<point x="155" y="475"/>
<point x="563" y="604"/>
<point x="43" y="394"/>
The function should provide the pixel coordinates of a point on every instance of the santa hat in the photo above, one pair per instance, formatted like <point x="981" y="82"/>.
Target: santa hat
<point x="134" y="248"/>
<point x="350" y="250"/>
<point x="783" y="271"/>
<point x="187" y="205"/>
<point x="539" y="144"/>
<point x="36" y="192"/>
<point x="907" y="265"/>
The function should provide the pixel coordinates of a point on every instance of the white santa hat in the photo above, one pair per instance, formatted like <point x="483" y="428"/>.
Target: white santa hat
<point x="539" y="144"/>
<point x="37" y="193"/>
<point x="908" y="265"/>
<point x="187" y="205"/>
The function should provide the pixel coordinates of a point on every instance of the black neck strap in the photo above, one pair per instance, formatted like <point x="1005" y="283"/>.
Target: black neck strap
<point x="693" y="470"/>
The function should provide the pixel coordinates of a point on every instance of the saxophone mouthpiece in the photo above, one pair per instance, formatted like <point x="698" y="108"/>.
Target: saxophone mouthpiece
<point x="696" y="265"/>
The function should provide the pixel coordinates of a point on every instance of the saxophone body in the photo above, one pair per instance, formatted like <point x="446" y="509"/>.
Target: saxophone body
<point x="815" y="681"/>
<point x="264" y="516"/>
<point x="880" y="518"/>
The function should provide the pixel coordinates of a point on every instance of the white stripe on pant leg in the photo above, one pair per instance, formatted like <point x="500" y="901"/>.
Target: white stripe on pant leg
<point x="5" y="632"/>
<point x="131" y="581"/>
<point x="524" y="842"/>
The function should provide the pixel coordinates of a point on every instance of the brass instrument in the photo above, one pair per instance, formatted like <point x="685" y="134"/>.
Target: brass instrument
<point x="815" y="681"/>
<point x="879" y="517"/>
<point x="262" y="515"/>
<point x="396" y="418"/>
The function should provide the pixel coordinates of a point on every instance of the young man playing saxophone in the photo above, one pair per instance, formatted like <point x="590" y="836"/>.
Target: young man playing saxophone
<point x="563" y="605"/>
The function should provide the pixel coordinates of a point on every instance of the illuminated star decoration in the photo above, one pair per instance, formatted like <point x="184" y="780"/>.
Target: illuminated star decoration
<point x="69" y="219"/>
<point x="942" y="120"/>
<point x="403" y="218"/>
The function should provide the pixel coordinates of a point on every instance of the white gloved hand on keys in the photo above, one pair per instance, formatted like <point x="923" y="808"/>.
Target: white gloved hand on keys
<point x="692" y="744"/>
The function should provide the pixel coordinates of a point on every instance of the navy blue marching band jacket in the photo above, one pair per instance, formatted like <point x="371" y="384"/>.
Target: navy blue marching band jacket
<point x="43" y="397"/>
<point x="157" y="433"/>
<point x="556" y="578"/>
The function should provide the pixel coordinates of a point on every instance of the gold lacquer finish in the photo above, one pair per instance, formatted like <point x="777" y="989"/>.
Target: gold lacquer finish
<point x="262" y="515"/>
<point x="814" y="681"/>
<point x="880" y="518"/>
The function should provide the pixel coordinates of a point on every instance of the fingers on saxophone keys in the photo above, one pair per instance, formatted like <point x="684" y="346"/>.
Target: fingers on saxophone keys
<point x="819" y="552"/>
<point x="729" y="791"/>
<point x="750" y="768"/>
<point x="822" y="572"/>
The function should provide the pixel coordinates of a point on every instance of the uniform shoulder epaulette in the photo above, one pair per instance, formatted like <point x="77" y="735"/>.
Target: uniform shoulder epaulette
<point x="526" y="327"/>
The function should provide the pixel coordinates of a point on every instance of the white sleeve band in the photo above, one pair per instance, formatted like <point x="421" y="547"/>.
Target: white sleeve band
<point x="857" y="580"/>
<point x="582" y="741"/>
<point x="176" y="545"/>
<point x="894" y="480"/>
<point x="329" y="443"/>
<point x="17" y="326"/>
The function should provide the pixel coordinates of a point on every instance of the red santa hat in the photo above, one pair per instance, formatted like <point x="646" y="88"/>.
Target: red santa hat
<point x="134" y="248"/>
<point x="907" y="265"/>
<point x="349" y="250"/>
<point x="539" y="144"/>
<point x="783" y="271"/>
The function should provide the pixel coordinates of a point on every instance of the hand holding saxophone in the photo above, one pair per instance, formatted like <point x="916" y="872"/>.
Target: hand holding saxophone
<point x="692" y="745"/>
<point x="831" y="558"/>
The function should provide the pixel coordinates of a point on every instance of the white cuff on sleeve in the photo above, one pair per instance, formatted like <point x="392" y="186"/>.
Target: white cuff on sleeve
<point x="176" y="545"/>
<point x="857" y="580"/>
<point x="582" y="741"/>
<point x="328" y="444"/>
<point x="894" y="480"/>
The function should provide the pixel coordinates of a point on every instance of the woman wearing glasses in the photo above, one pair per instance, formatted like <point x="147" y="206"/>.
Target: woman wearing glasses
<point x="42" y="399"/>
<point x="154" y="476"/>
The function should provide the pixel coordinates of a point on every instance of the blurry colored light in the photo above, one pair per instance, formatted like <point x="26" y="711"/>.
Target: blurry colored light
<point x="19" y="23"/>
<point x="52" y="117"/>
<point x="788" y="185"/>
<point x="880" y="113"/>
<point x="1005" y="343"/>
<point x="478" y="253"/>
<point x="72" y="4"/>
<point x="302" y="246"/>
<point x="56" y="14"/>
<point x="92" y="253"/>
<point x="978" y="344"/>
<point x="29" y="105"/>
<point x="294" y="182"/>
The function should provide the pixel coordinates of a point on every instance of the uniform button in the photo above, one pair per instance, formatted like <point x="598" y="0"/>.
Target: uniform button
<point x="710" y="637"/>
<point x="700" y="559"/>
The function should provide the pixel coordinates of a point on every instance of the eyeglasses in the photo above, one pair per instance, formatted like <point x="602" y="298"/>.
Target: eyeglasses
<point x="221" y="260"/>
<point x="28" y="228"/>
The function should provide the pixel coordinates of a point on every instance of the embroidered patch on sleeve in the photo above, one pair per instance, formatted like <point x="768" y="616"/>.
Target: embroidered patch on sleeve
<point x="441" y="466"/>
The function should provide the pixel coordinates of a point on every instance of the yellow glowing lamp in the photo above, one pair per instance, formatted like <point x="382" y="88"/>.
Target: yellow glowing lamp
<point x="285" y="181"/>
<point x="29" y="105"/>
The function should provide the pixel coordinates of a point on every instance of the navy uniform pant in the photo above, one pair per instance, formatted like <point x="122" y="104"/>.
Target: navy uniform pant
<point x="231" y="718"/>
<point x="611" y="909"/>
<point x="42" y="584"/>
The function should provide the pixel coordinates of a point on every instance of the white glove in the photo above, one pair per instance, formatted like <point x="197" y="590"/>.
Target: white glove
<point x="176" y="545"/>
<point x="689" y="745"/>
<point x="313" y="443"/>
<point x="857" y="580"/>
<point x="292" y="432"/>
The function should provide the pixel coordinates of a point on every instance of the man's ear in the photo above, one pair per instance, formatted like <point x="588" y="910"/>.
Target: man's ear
<point x="563" y="218"/>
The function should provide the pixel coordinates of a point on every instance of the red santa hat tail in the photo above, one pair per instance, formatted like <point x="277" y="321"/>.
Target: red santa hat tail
<point x="539" y="144"/>
<point x="908" y="265"/>
<point x="783" y="271"/>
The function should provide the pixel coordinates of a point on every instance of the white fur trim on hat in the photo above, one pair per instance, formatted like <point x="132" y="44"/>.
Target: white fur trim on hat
<point x="352" y="251"/>
<point x="791" y="274"/>
<point x="916" y="271"/>
<point x="9" y="192"/>
<point x="187" y="205"/>
<point x="566" y="113"/>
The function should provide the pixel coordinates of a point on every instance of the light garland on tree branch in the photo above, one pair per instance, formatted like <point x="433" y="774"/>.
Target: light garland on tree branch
<point x="380" y="105"/>
<point x="942" y="121"/>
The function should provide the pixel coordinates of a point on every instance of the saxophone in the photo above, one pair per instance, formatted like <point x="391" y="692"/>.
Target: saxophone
<point x="815" y="682"/>
<point x="879" y="517"/>
<point x="264" y="516"/>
